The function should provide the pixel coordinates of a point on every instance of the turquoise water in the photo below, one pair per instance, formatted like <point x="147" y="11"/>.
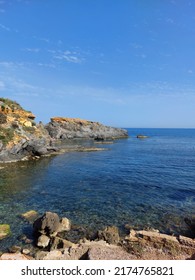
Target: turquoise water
<point x="143" y="183"/>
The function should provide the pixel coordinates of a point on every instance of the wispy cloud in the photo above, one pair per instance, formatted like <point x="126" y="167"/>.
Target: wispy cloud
<point x="11" y="64"/>
<point x="136" y="46"/>
<point x="34" y="50"/>
<point x="2" y="26"/>
<point x="68" y="56"/>
<point x="14" y="87"/>
<point x="46" y="40"/>
<point x="170" y="20"/>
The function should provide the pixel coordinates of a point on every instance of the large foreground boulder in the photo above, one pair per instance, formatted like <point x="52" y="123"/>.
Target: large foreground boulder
<point x="47" y="224"/>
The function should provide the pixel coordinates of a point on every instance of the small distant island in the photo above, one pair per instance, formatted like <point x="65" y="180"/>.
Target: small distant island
<point x="21" y="138"/>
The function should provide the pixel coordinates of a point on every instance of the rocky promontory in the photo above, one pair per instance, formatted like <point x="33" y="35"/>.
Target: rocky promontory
<point x="21" y="138"/>
<point x="70" y="128"/>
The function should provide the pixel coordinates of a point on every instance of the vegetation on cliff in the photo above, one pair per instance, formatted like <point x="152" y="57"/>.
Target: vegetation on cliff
<point x="21" y="137"/>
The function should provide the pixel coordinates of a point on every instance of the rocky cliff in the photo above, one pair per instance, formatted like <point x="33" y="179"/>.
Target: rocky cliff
<point x="22" y="138"/>
<point x="69" y="128"/>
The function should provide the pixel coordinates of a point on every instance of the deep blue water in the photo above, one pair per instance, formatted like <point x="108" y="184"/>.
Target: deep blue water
<point x="143" y="183"/>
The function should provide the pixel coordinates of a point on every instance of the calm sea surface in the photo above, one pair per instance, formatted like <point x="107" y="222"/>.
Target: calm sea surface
<point x="143" y="183"/>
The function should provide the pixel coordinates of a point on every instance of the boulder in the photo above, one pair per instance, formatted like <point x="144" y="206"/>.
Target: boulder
<point x="64" y="225"/>
<point x="132" y="236"/>
<point x="110" y="235"/>
<point x="48" y="224"/>
<point x="53" y="255"/>
<point x="43" y="241"/>
<point x="140" y="136"/>
<point x="4" y="231"/>
<point x="60" y="243"/>
<point x="15" y="249"/>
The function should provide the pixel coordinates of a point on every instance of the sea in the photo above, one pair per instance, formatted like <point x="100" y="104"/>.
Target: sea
<point x="134" y="183"/>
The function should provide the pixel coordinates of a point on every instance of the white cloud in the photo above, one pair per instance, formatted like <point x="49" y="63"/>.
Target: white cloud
<point x="67" y="55"/>
<point x="2" y="26"/>
<point x="35" y="50"/>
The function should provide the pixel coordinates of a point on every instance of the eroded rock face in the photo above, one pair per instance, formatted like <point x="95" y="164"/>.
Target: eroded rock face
<point x="69" y="128"/>
<point x="20" y="136"/>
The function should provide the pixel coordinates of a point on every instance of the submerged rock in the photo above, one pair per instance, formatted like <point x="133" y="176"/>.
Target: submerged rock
<point x="4" y="231"/>
<point x="30" y="215"/>
<point x="190" y="222"/>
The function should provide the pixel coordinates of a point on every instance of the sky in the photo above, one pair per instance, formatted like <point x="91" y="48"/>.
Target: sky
<point x="124" y="63"/>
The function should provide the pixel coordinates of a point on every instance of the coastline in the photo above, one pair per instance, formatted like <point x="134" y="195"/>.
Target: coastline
<point x="52" y="240"/>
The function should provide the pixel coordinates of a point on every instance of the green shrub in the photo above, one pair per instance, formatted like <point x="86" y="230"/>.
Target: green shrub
<point x="12" y="104"/>
<point x="6" y="135"/>
<point x="3" y="118"/>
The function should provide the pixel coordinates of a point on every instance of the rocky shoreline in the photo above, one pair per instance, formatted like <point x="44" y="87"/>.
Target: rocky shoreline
<point x="53" y="240"/>
<point x="21" y="138"/>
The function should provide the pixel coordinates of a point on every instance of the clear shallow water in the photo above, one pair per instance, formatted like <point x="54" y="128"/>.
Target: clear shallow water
<point x="144" y="183"/>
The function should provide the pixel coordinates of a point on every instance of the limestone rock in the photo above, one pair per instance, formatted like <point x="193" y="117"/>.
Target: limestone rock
<point x="4" y="231"/>
<point x="30" y="215"/>
<point x="15" y="256"/>
<point x="15" y="249"/>
<point x="60" y="243"/>
<point x="132" y="236"/>
<point x="141" y="136"/>
<point x="156" y="236"/>
<point x="19" y="134"/>
<point x="187" y="241"/>
<point x="64" y="225"/>
<point x="26" y="251"/>
<point x="109" y="253"/>
<point x="48" y="224"/>
<point x="110" y="235"/>
<point x="43" y="241"/>
<point x="53" y="255"/>
<point x="69" y="128"/>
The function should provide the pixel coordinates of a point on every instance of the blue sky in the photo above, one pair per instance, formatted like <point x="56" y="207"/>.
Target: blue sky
<point x="125" y="63"/>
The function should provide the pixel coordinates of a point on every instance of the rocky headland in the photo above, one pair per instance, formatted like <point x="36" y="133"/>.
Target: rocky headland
<point x="71" y="128"/>
<point x="57" y="238"/>
<point x="21" y="138"/>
